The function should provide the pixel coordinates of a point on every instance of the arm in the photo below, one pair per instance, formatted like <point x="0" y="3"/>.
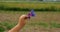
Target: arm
<point x="20" y="25"/>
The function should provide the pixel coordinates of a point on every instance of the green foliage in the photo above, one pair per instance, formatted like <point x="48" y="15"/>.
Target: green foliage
<point x="55" y="25"/>
<point x="7" y="24"/>
<point x="2" y="7"/>
<point x="44" y="24"/>
<point x="5" y="8"/>
<point x="10" y="25"/>
<point x="2" y="29"/>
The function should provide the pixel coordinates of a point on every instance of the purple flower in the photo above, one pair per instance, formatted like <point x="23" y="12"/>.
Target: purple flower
<point x="32" y="13"/>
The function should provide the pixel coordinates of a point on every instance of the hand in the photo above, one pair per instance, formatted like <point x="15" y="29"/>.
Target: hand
<point x="23" y="17"/>
<point x="20" y="24"/>
<point x="22" y="20"/>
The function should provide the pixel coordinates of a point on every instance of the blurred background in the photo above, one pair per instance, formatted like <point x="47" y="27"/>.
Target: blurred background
<point x="47" y="17"/>
<point x="29" y="0"/>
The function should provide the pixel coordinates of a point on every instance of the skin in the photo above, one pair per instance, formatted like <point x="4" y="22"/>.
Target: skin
<point x="20" y="25"/>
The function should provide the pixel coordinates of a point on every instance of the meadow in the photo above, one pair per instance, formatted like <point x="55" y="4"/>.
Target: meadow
<point x="35" y="5"/>
<point x="42" y="22"/>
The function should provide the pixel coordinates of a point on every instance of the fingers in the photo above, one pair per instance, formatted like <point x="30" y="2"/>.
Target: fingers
<point x="24" y="17"/>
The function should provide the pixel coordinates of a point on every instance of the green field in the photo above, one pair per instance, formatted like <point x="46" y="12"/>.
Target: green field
<point x="42" y="22"/>
<point x="35" y="5"/>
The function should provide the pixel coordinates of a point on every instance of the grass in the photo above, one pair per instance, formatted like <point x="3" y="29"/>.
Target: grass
<point x="31" y="5"/>
<point x="9" y="25"/>
<point x="40" y="6"/>
<point x="25" y="6"/>
<point x="55" y="25"/>
<point x="42" y="20"/>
